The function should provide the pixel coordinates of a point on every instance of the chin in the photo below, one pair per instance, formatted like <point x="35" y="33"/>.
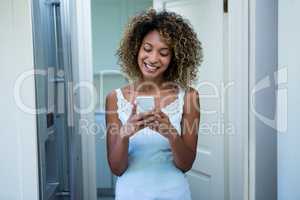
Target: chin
<point x="147" y="76"/>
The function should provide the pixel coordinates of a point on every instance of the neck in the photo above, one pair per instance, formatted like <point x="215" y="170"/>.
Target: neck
<point x="148" y="85"/>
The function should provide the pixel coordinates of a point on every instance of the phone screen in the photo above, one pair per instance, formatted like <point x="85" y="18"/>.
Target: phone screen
<point x="144" y="103"/>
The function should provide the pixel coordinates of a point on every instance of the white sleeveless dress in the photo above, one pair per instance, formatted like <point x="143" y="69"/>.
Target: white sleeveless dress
<point x="151" y="173"/>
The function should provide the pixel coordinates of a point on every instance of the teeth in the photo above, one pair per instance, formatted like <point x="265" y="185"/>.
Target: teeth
<point x="150" y="67"/>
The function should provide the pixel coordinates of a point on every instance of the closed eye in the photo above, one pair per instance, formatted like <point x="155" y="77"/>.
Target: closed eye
<point x="147" y="49"/>
<point x="164" y="52"/>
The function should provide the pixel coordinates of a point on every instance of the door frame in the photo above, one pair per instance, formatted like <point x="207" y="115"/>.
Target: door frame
<point x="238" y="144"/>
<point x="81" y="48"/>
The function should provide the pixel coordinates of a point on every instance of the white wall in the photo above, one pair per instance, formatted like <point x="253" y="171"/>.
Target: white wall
<point x="18" y="143"/>
<point x="289" y="140"/>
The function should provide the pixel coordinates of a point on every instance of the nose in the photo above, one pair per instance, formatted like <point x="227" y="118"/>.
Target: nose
<point x="153" y="57"/>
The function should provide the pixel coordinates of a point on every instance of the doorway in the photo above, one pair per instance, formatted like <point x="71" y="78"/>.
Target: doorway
<point x="54" y="117"/>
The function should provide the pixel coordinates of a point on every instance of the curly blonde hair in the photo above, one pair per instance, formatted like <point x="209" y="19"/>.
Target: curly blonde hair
<point x="178" y="34"/>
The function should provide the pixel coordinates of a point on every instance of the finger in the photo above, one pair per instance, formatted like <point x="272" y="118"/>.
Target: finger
<point x="153" y="126"/>
<point x="143" y="116"/>
<point x="162" y="117"/>
<point x="148" y="113"/>
<point x="158" y="117"/>
<point x="157" y="109"/>
<point x="157" y="123"/>
<point x="140" y="125"/>
<point x="138" y="117"/>
<point x="150" y="119"/>
<point x="162" y="114"/>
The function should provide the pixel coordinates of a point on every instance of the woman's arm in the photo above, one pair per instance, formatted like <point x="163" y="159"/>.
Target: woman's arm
<point x="117" y="144"/>
<point x="184" y="147"/>
<point x="118" y="135"/>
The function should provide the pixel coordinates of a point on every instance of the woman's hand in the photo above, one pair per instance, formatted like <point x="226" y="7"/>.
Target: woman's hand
<point x="163" y="125"/>
<point x="136" y="122"/>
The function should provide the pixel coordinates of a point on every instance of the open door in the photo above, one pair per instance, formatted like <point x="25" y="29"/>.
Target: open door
<point x="54" y="118"/>
<point x="207" y="176"/>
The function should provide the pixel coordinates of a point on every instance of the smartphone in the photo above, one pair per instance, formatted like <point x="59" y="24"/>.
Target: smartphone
<point x="145" y="103"/>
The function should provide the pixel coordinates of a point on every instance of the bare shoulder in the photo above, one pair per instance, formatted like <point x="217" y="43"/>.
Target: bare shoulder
<point x="127" y="88"/>
<point x="128" y="92"/>
<point x="191" y="94"/>
<point x="111" y="101"/>
<point x="111" y="96"/>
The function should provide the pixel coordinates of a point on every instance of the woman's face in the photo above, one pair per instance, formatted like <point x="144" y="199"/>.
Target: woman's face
<point x="154" y="56"/>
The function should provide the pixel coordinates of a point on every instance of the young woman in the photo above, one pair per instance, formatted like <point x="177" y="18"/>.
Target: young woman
<point x="151" y="151"/>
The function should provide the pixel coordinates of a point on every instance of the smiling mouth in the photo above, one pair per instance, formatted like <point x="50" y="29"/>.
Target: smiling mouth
<point x="150" y="68"/>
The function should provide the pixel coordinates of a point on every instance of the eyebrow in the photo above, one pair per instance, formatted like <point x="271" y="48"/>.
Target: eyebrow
<point x="163" y="48"/>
